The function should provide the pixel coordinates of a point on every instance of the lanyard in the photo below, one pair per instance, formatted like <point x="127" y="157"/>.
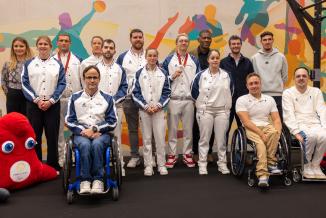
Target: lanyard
<point x="185" y="60"/>
<point x="67" y="63"/>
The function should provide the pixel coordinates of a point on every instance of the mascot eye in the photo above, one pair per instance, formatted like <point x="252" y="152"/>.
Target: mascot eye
<point x="7" y="147"/>
<point x="30" y="143"/>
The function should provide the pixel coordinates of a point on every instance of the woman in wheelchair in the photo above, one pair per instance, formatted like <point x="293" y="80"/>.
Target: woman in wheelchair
<point x="91" y="115"/>
<point x="212" y="89"/>
<point x="254" y="111"/>
<point x="304" y="113"/>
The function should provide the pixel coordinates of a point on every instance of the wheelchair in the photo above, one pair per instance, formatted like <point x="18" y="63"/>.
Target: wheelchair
<point x="297" y="168"/>
<point x="72" y="167"/>
<point x="244" y="157"/>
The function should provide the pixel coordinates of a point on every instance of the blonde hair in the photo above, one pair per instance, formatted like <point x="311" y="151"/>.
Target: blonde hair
<point x="46" y="38"/>
<point x="13" y="58"/>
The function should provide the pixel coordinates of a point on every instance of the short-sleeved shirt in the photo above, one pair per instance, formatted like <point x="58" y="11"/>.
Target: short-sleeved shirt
<point x="259" y="110"/>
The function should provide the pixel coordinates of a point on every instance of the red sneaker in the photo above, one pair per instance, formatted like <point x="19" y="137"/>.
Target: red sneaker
<point x="187" y="159"/>
<point x="172" y="159"/>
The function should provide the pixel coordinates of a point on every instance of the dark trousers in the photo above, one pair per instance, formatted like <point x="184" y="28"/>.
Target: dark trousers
<point x="233" y="115"/>
<point x="196" y="136"/>
<point x="278" y="100"/>
<point x="16" y="101"/>
<point x="50" y="121"/>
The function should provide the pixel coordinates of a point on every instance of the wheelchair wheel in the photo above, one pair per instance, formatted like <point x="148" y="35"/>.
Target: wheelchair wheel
<point x="238" y="152"/>
<point x="67" y="166"/>
<point x="284" y="152"/>
<point x="70" y="197"/>
<point x="116" y="173"/>
<point x="115" y="194"/>
<point x="296" y="175"/>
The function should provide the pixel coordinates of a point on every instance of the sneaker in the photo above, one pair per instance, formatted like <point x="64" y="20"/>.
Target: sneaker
<point x="223" y="168"/>
<point x="202" y="170"/>
<point x="123" y="171"/>
<point x="210" y="158"/>
<point x="85" y="187"/>
<point x="195" y="157"/>
<point x="97" y="187"/>
<point x="318" y="173"/>
<point x="187" y="159"/>
<point x="308" y="172"/>
<point x="163" y="171"/>
<point x="148" y="171"/>
<point x="263" y="182"/>
<point x="133" y="162"/>
<point x="153" y="161"/>
<point x="172" y="159"/>
<point x="273" y="169"/>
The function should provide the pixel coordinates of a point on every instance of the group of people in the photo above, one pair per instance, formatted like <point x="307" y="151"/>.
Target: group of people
<point x="197" y="87"/>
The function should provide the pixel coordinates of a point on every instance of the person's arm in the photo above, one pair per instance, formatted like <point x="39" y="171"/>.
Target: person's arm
<point x="61" y="85"/>
<point x="4" y="78"/>
<point x="284" y="72"/>
<point x="166" y="92"/>
<point x="71" y="118"/>
<point x="195" y="87"/>
<point x="288" y="112"/>
<point x="111" y="117"/>
<point x="137" y="93"/>
<point x="123" y="87"/>
<point x="276" y="121"/>
<point x="28" y="91"/>
<point x="321" y="108"/>
<point x="248" y="124"/>
<point x="80" y="25"/>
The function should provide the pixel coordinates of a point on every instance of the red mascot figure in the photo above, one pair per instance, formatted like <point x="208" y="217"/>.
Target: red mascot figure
<point x="19" y="165"/>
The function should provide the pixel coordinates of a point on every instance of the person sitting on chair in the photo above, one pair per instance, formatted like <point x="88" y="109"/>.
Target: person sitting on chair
<point x="305" y="115"/>
<point x="254" y="111"/>
<point x="91" y="115"/>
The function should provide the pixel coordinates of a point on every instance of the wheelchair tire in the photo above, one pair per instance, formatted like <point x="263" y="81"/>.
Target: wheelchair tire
<point x="296" y="177"/>
<point x="67" y="166"/>
<point x="287" y="181"/>
<point x="70" y="197"/>
<point x="115" y="194"/>
<point x="284" y="149"/>
<point x="116" y="173"/>
<point x="238" y="152"/>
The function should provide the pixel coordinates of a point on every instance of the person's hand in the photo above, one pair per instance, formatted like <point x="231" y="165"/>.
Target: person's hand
<point x="299" y="138"/>
<point x="40" y="104"/>
<point x="156" y="108"/>
<point x="87" y="133"/>
<point x="263" y="137"/>
<point x="96" y="135"/>
<point x="176" y="74"/>
<point x="46" y="105"/>
<point x="149" y="110"/>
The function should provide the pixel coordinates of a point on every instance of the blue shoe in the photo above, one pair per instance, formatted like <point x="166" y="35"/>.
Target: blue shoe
<point x="273" y="169"/>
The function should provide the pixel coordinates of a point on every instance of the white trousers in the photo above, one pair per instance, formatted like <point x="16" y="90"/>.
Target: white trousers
<point x="184" y="110"/>
<point x="61" y="139"/>
<point x="316" y="144"/>
<point x="118" y="131"/>
<point x="153" y="124"/>
<point x="218" y="120"/>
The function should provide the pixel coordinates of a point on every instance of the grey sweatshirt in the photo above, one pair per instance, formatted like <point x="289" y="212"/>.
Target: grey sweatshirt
<point x="273" y="69"/>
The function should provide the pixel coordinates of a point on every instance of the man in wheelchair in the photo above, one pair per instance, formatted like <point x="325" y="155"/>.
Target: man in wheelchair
<point x="304" y="114"/>
<point x="91" y="115"/>
<point x="255" y="110"/>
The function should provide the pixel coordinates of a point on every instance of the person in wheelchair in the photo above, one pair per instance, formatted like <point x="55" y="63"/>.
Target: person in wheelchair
<point x="255" y="110"/>
<point x="91" y="115"/>
<point x="305" y="116"/>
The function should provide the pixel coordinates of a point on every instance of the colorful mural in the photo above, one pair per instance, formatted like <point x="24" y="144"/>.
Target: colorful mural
<point x="161" y="21"/>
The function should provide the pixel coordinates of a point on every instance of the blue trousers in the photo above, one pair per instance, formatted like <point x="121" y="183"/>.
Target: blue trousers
<point x="92" y="156"/>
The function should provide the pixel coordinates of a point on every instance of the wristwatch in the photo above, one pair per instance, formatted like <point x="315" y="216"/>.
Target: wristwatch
<point x="94" y="128"/>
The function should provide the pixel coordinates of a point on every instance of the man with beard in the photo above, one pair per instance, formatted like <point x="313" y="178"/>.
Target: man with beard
<point x="305" y="115"/>
<point x="131" y="61"/>
<point x="201" y="53"/>
<point x="71" y="65"/>
<point x="114" y="82"/>
<point x="272" y="66"/>
<point x="239" y="67"/>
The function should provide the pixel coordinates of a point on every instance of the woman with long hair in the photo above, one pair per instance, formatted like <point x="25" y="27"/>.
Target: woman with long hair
<point x="11" y="75"/>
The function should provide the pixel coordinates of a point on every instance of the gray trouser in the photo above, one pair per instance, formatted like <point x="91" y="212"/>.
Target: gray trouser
<point x="61" y="141"/>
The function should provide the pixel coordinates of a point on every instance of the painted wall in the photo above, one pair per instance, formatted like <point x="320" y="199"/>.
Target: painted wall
<point x="161" y="21"/>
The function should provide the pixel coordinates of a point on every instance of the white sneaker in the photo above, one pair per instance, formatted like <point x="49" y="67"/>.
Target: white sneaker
<point x="263" y="182"/>
<point x="308" y="172"/>
<point x="163" y="171"/>
<point x="85" y="187"/>
<point x="273" y="169"/>
<point x="223" y="168"/>
<point x="133" y="162"/>
<point x="153" y="161"/>
<point x="97" y="187"/>
<point x="148" y="171"/>
<point x="318" y="173"/>
<point x="203" y="170"/>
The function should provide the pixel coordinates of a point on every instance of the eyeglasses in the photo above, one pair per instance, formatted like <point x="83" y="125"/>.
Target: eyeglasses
<point x="92" y="77"/>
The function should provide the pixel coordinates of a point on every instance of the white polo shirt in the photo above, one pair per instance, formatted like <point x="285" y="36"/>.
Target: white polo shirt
<point x="259" y="110"/>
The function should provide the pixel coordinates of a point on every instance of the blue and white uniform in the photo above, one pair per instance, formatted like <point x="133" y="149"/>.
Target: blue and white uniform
<point x="131" y="63"/>
<point x="84" y="112"/>
<point x="181" y="105"/>
<point x="213" y="96"/>
<point x="73" y="81"/>
<point x="114" y="82"/>
<point x="44" y="80"/>
<point x="152" y="88"/>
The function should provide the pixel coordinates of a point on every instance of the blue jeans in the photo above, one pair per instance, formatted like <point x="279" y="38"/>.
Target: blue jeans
<point x="91" y="156"/>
